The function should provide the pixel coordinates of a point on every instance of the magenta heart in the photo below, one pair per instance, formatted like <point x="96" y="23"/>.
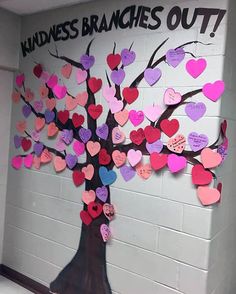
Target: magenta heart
<point x="117" y="76"/>
<point x="20" y="80"/>
<point x="127" y="57"/>
<point x="175" y="56"/>
<point x="195" y="110"/>
<point x="136" y="117"/>
<point x="28" y="160"/>
<point x="102" y="131"/>
<point x="59" y="91"/>
<point x="26" y="110"/>
<point x="214" y="91"/>
<point x="157" y="146"/>
<point x="38" y="105"/>
<point x="196" y="67"/>
<point x="115" y="105"/>
<point x="152" y="75"/>
<point x="176" y="163"/>
<point x="102" y="193"/>
<point x="127" y="172"/>
<point x="71" y="160"/>
<point x="85" y="134"/>
<point x="79" y="148"/>
<point x="197" y="142"/>
<point x="52" y="81"/>
<point x="16" y="162"/>
<point x="87" y="61"/>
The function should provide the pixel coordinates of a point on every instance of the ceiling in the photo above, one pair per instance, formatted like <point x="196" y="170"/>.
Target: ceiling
<point x="23" y="7"/>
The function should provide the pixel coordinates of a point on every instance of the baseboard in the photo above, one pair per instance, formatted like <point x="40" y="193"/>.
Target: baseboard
<point x="23" y="280"/>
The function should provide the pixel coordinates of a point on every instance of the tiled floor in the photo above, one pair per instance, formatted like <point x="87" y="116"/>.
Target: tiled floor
<point x="8" y="287"/>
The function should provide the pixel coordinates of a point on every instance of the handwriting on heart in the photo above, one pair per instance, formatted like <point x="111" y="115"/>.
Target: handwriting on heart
<point x="171" y="97"/>
<point x="197" y="142"/>
<point x="177" y="144"/>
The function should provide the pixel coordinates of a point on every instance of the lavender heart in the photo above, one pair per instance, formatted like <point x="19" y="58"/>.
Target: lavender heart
<point x="26" y="110"/>
<point x="38" y="148"/>
<point x="71" y="160"/>
<point x="102" y="131"/>
<point x="175" y="56"/>
<point x="127" y="172"/>
<point x="38" y="105"/>
<point x="197" y="142"/>
<point x="127" y="57"/>
<point x="223" y="151"/>
<point x="102" y="193"/>
<point x="195" y="110"/>
<point x="87" y="61"/>
<point x="152" y="75"/>
<point x="117" y="76"/>
<point x="156" y="146"/>
<point x="67" y="136"/>
<point x="85" y="134"/>
<point x="49" y="116"/>
<point x="17" y="141"/>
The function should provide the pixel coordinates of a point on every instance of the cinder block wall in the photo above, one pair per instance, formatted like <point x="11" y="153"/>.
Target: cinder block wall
<point x="164" y="241"/>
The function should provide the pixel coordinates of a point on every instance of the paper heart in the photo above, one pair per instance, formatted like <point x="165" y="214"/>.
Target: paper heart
<point x="102" y="193"/>
<point x="67" y="136"/>
<point x="105" y="232"/>
<point x="26" y="110"/>
<point x="113" y="60"/>
<point x="50" y="103"/>
<point x="196" y="67"/>
<point x="26" y="144"/>
<point x="208" y="196"/>
<point x="52" y="129"/>
<point x="152" y="112"/>
<point x="152" y="75"/>
<point x="94" y="84"/>
<point x="200" y="176"/>
<point x="95" y="110"/>
<point x="43" y="91"/>
<point x="85" y="217"/>
<point x="71" y="103"/>
<point x="197" y="142"/>
<point x="49" y="116"/>
<point x="82" y="98"/>
<point x="87" y="61"/>
<point x="28" y="160"/>
<point x="66" y="70"/>
<point x="39" y="123"/>
<point x="21" y="126"/>
<point x="115" y="105"/>
<point x="78" y="148"/>
<point x="81" y="76"/>
<point x="158" y="161"/>
<point x="102" y="131"/>
<point x="88" y="171"/>
<point x="38" y="148"/>
<point x="60" y="145"/>
<point x="85" y="134"/>
<point x="20" y="80"/>
<point x="60" y="91"/>
<point x="118" y="76"/>
<point x="59" y="164"/>
<point x="134" y="157"/>
<point x="210" y="159"/>
<point x="107" y="177"/>
<point x="152" y="134"/>
<point x="52" y="81"/>
<point x="195" y="110"/>
<point x="29" y="95"/>
<point x="136" y="117"/>
<point x="38" y="69"/>
<point x="127" y="57"/>
<point x="71" y="160"/>
<point x="93" y="147"/>
<point x="103" y="157"/>
<point x="144" y="170"/>
<point x="156" y="146"/>
<point x="137" y="137"/>
<point x="175" y="56"/>
<point x="17" y="141"/>
<point x="46" y="156"/>
<point x="38" y="105"/>
<point x="94" y="209"/>
<point x="108" y="92"/>
<point x="16" y="162"/>
<point x="63" y="116"/>
<point x="88" y="196"/>
<point x="78" y="177"/>
<point x="171" y="97"/>
<point x="45" y="76"/>
<point x="15" y="96"/>
<point x="214" y="91"/>
<point x="177" y="144"/>
<point x="224" y="127"/>
<point x="169" y="127"/>
<point x="130" y="94"/>
<point x="121" y="117"/>
<point x="127" y="172"/>
<point x="119" y="158"/>
<point x="223" y="151"/>
<point x="176" y="163"/>
<point x="77" y="120"/>
<point x="109" y="211"/>
<point x="35" y="135"/>
<point x="118" y="136"/>
<point x="36" y="162"/>
<point x="219" y="187"/>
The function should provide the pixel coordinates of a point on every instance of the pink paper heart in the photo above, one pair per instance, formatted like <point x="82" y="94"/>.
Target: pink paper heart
<point x="118" y="136"/>
<point x="79" y="148"/>
<point x="45" y="76"/>
<point x="115" y="105"/>
<point x="152" y="112"/>
<point x="93" y="147"/>
<point x="20" y="80"/>
<point x="52" y="81"/>
<point x="196" y="67"/>
<point x="214" y="91"/>
<point x="81" y="76"/>
<point x="177" y="144"/>
<point x="28" y="161"/>
<point x="16" y="162"/>
<point x="134" y="157"/>
<point x="210" y="159"/>
<point x="108" y="92"/>
<point x="121" y="117"/>
<point x="171" y="97"/>
<point x="176" y="163"/>
<point x="88" y="171"/>
<point x="208" y="196"/>
<point x="82" y="99"/>
<point x="88" y="196"/>
<point x="59" y="91"/>
<point x="136" y="117"/>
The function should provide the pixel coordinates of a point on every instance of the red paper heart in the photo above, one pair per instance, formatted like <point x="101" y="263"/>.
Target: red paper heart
<point x="94" y="84"/>
<point x="169" y="127"/>
<point x="78" y="177"/>
<point x="95" y="209"/>
<point x="200" y="176"/>
<point x="77" y="120"/>
<point x="95" y="110"/>
<point x="158" y="161"/>
<point x="38" y="70"/>
<point x="63" y="116"/>
<point x="103" y="157"/>
<point x="219" y="187"/>
<point x="113" y="60"/>
<point x="224" y="126"/>
<point x="151" y="134"/>
<point x="130" y="94"/>
<point x="85" y="217"/>
<point x="137" y="137"/>
<point x="26" y="144"/>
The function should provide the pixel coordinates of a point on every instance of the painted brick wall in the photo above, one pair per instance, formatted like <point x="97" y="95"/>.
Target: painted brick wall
<point x="164" y="241"/>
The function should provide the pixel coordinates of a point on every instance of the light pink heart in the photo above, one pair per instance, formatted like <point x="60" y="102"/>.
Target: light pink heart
<point x="134" y="157"/>
<point x="152" y="112"/>
<point x="115" y="105"/>
<point x="208" y="196"/>
<point x="171" y="97"/>
<point x="108" y="92"/>
<point x="81" y="76"/>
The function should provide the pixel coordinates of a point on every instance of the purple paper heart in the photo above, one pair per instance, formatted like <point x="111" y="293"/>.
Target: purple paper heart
<point x="49" y="116"/>
<point x="197" y="142"/>
<point x="38" y="105"/>
<point x="26" y="110"/>
<point x="195" y="110"/>
<point x="223" y="151"/>
<point x="85" y="134"/>
<point x="117" y="76"/>
<point x="102" y="131"/>
<point x="71" y="160"/>
<point x="87" y="61"/>
<point x="127" y="172"/>
<point x="156" y="146"/>
<point x="152" y="75"/>
<point x="175" y="56"/>
<point x="102" y="193"/>
<point x="38" y="148"/>
<point x="17" y="141"/>
<point x="127" y="57"/>
<point x="67" y="136"/>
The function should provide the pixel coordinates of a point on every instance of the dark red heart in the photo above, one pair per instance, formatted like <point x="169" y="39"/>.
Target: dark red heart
<point x="26" y="144"/>
<point x="63" y="116"/>
<point x="169" y="127"/>
<point x="224" y="126"/>
<point x="77" y="120"/>
<point x="78" y="177"/>
<point x="200" y="176"/>
<point x="130" y="94"/>
<point x="219" y="187"/>
<point x="103" y="157"/>
<point x="95" y="110"/>
<point x="38" y="69"/>
<point x="94" y="84"/>
<point x="95" y="209"/>
<point x="137" y="137"/>
<point x="113" y="60"/>
<point x="152" y="134"/>
<point x="85" y="217"/>
<point x="158" y="161"/>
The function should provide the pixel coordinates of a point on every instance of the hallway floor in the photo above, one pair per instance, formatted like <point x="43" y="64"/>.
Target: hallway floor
<point x="9" y="287"/>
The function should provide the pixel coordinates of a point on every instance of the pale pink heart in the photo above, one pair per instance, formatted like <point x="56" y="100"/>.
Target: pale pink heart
<point x="214" y="91"/>
<point x="60" y="145"/>
<point x="176" y="163"/>
<point x="171" y="97"/>
<point x="39" y="123"/>
<point x="177" y="144"/>
<point x="93" y="147"/>
<point x="88" y="171"/>
<point x="88" y="196"/>
<point x="118" y="136"/>
<point x="79" y="148"/>
<point x="134" y="156"/>
<point x="208" y="196"/>
<point x="28" y="160"/>
<point x="136" y="117"/>
<point x="16" y="162"/>
<point x="35" y="135"/>
<point x="115" y="105"/>
<point x="119" y="158"/>
<point x="71" y="103"/>
<point x="196" y="67"/>
<point x="152" y="112"/>
<point x="66" y="70"/>
<point x="52" y="81"/>
<point x="81" y="76"/>
<point x="122" y="117"/>
<point x="59" y="164"/>
<point x="43" y="91"/>
<point x="210" y="159"/>
<point x="82" y="99"/>
<point x="144" y="170"/>
<point x="108" y="92"/>
<point x="59" y="91"/>
<point x="45" y="76"/>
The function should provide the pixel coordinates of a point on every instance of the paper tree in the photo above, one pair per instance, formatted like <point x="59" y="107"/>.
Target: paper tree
<point x="104" y="145"/>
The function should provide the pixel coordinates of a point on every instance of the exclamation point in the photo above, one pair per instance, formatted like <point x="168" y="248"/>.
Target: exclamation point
<point x="218" y="21"/>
